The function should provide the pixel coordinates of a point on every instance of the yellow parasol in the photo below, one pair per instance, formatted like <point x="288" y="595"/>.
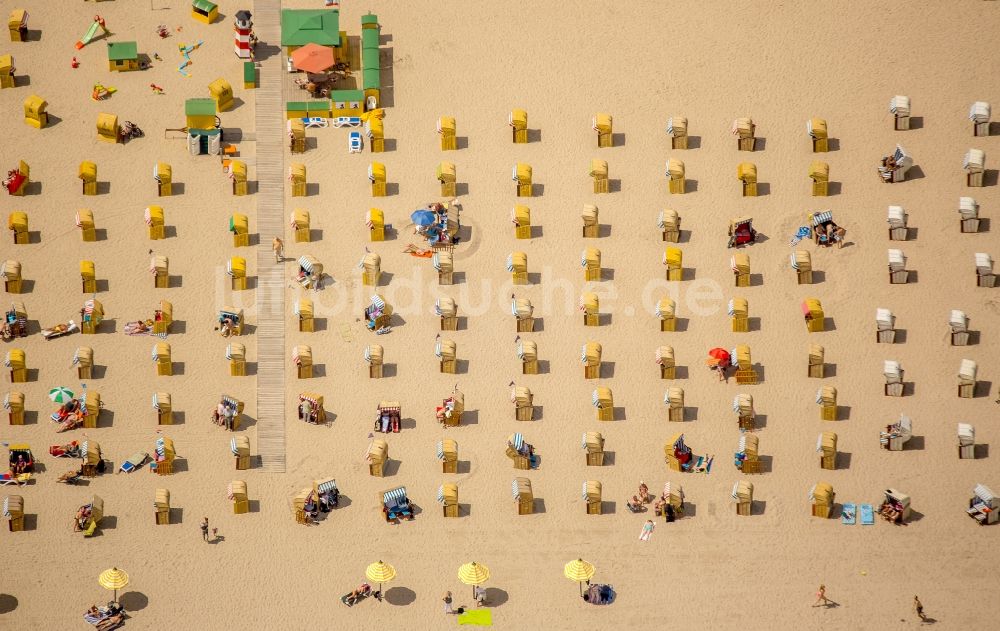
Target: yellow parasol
<point x="579" y="571"/>
<point x="473" y="574"/>
<point x="380" y="573"/>
<point x="113" y="579"/>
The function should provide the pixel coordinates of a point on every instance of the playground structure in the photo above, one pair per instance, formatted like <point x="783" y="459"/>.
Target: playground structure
<point x="244" y="39"/>
<point x="92" y="33"/>
<point x="123" y="56"/>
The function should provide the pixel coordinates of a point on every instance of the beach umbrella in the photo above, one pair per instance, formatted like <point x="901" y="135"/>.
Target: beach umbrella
<point x="718" y="356"/>
<point x="113" y="579"/>
<point x="579" y="571"/>
<point x="380" y="573"/>
<point x="60" y="394"/>
<point x="313" y="58"/>
<point x="473" y="574"/>
<point x="423" y="217"/>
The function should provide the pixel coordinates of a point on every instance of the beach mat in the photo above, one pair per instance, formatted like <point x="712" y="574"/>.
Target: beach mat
<point x="478" y="617"/>
<point x="867" y="515"/>
<point x="848" y="515"/>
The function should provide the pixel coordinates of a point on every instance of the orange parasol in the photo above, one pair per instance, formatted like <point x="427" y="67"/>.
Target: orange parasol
<point x="313" y="58"/>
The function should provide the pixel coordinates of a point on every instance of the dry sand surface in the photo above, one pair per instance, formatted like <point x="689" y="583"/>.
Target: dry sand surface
<point x="562" y="62"/>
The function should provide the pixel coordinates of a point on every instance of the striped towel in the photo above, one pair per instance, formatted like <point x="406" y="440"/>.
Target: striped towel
<point x="802" y="233"/>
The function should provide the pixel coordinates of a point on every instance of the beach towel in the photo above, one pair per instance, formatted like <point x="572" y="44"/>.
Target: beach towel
<point x="802" y="233"/>
<point x="848" y="515"/>
<point x="867" y="515"/>
<point x="477" y="617"/>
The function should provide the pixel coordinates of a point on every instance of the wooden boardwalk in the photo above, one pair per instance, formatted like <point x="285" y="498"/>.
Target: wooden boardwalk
<point x="270" y="135"/>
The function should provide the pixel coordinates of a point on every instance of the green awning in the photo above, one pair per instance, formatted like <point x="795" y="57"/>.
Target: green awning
<point x="199" y="107"/>
<point x="249" y="72"/>
<point x="204" y="132"/>
<point x="369" y="18"/>
<point x="204" y="6"/>
<point x="122" y="51"/>
<point x="310" y="26"/>
<point x="296" y="106"/>
<point x="372" y="79"/>
<point x="347" y="95"/>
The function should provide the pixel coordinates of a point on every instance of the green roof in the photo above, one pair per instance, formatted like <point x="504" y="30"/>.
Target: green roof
<point x="199" y="107"/>
<point x="347" y="95"/>
<point x="369" y="60"/>
<point x="203" y="5"/>
<point x="372" y="79"/>
<point x="369" y="38"/>
<point x="369" y="18"/>
<point x="310" y="26"/>
<point x="121" y="51"/>
<point x="249" y="71"/>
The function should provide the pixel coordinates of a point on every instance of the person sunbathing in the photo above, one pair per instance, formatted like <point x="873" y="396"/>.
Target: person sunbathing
<point x="363" y="590"/>
<point x="634" y="505"/>
<point x="136" y="328"/>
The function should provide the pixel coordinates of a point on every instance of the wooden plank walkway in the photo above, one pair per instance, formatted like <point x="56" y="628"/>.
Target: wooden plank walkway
<point x="270" y="135"/>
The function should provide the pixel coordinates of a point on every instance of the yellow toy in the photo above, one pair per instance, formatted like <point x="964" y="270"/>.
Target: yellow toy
<point x="123" y="56"/>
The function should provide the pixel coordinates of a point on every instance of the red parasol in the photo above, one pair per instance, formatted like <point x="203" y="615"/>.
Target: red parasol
<point x="313" y="58"/>
<point x="718" y="356"/>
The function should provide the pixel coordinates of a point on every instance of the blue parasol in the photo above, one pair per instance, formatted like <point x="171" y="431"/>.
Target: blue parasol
<point x="423" y="217"/>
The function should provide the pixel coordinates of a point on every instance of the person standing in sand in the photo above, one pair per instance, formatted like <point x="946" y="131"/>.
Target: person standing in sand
<point x="447" y="603"/>
<point x="204" y="529"/>
<point x="821" y="597"/>
<point x="918" y="608"/>
<point x="279" y="249"/>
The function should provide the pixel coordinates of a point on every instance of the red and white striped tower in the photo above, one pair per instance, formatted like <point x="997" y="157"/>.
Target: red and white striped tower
<point x="242" y="33"/>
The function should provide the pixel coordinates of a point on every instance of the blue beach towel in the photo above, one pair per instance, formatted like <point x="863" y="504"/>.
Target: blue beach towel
<point x="848" y="515"/>
<point x="867" y="515"/>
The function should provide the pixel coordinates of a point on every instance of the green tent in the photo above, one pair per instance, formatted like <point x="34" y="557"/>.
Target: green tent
<point x="310" y="26"/>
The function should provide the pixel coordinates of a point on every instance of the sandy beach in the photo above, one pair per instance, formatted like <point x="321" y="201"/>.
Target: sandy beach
<point x="779" y="63"/>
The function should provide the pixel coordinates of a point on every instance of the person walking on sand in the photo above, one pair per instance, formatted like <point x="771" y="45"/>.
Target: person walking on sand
<point x="447" y="603"/>
<point x="279" y="249"/>
<point x="918" y="608"/>
<point x="204" y="529"/>
<point x="647" y="530"/>
<point x="821" y="597"/>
